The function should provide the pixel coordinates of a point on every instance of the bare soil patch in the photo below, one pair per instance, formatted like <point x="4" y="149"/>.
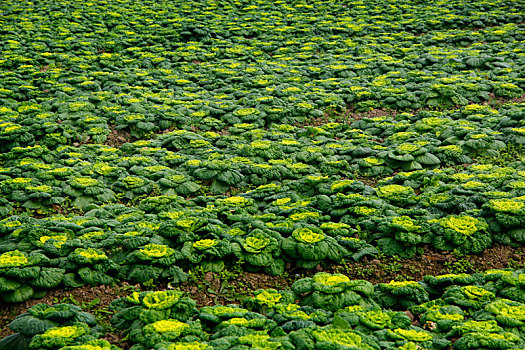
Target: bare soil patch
<point x="117" y="137"/>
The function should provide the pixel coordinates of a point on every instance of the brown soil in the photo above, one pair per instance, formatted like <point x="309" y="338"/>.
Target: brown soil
<point x="520" y="99"/>
<point x="220" y="288"/>
<point x="432" y="263"/>
<point x="375" y="113"/>
<point x="349" y="115"/>
<point x="117" y="137"/>
<point x="369" y="181"/>
<point x="346" y="116"/>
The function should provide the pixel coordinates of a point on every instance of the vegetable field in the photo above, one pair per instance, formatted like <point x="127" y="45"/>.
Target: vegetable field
<point x="142" y="141"/>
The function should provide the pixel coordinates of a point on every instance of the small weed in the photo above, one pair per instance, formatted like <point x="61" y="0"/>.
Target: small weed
<point x="287" y="282"/>
<point x="196" y="275"/>
<point x="234" y="191"/>
<point x="232" y="291"/>
<point x="364" y="272"/>
<point x="403" y="278"/>
<point x="232" y="273"/>
<point x="413" y="270"/>
<point x="392" y="267"/>
<point x="511" y="154"/>
<point x="149" y="284"/>
<point x="380" y="256"/>
<point x="230" y="287"/>
<point x="101" y="314"/>
<point x="460" y="266"/>
<point x="457" y="254"/>
<point x="124" y="289"/>
<point x="347" y="268"/>
<point x="513" y="264"/>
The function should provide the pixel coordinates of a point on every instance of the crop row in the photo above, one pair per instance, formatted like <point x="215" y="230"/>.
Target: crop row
<point x="66" y="76"/>
<point x="323" y="312"/>
<point x="154" y="207"/>
<point x="426" y="139"/>
<point x="308" y="221"/>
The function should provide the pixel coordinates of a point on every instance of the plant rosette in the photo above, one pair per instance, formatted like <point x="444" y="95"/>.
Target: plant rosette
<point x="85" y="191"/>
<point x="152" y="261"/>
<point x="471" y="296"/>
<point x="260" y="249"/>
<point x="465" y="233"/>
<point x="165" y="331"/>
<point x="143" y="308"/>
<point x="417" y="336"/>
<point x="509" y="314"/>
<point x="218" y="313"/>
<point x="435" y="285"/>
<point x="409" y="156"/>
<point x="400" y="235"/>
<point x="331" y="337"/>
<point x="400" y="295"/>
<point x="42" y="317"/>
<point x="177" y="184"/>
<point x="397" y="194"/>
<point x="133" y="186"/>
<point x="440" y="317"/>
<point x="309" y="246"/>
<point x="57" y="337"/>
<point x="24" y="276"/>
<point x="207" y="251"/>
<point x="509" y="212"/>
<point x="334" y="292"/>
<point x="267" y="299"/>
<point x="91" y="266"/>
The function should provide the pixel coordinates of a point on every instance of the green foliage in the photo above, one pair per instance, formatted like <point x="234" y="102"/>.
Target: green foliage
<point x="140" y="140"/>
<point x="318" y="313"/>
<point x="469" y="296"/>
<point x="50" y="327"/>
<point x="400" y="295"/>
<point x="260" y="249"/>
<point x="143" y="308"/>
<point x="310" y="246"/>
<point x="57" y="337"/>
<point x="334" y="292"/>
<point x="332" y="338"/>
<point x="465" y="233"/>
<point x="84" y="191"/>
